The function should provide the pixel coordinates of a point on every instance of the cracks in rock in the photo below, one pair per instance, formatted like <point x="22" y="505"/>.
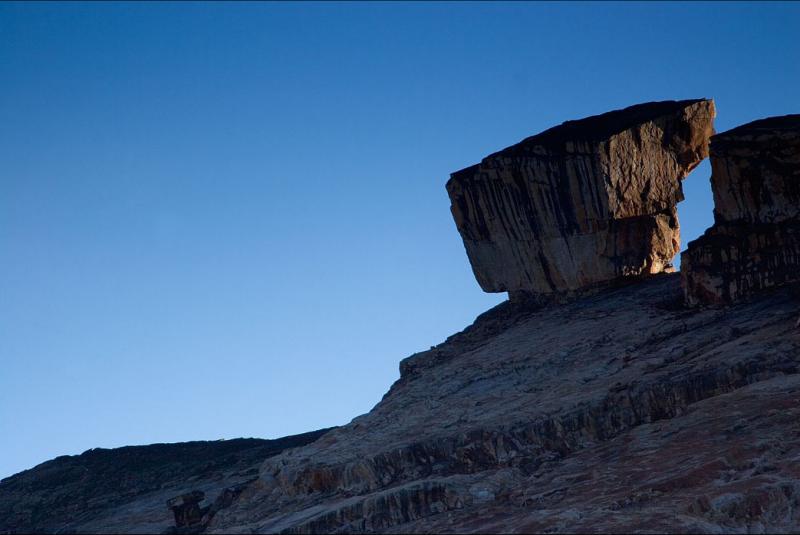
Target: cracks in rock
<point x="527" y="447"/>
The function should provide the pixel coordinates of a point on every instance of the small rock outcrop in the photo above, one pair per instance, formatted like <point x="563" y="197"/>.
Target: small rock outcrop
<point x="584" y="203"/>
<point x="754" y="243"/>
<point x="187" y="510"/>
<point x="192" y="517"/>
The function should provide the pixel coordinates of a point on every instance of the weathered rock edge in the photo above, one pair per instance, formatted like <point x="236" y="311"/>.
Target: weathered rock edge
<point x="581" y="204"/>
<point x="754" y="243"/>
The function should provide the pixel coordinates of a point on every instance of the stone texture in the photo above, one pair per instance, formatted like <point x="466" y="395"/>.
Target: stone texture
<point x="756" y="171"/>
<point x="619" y="412"/>
<point x="584" y="203"/>
<point x="755" y="241"/>
<point x="135" y="489"/>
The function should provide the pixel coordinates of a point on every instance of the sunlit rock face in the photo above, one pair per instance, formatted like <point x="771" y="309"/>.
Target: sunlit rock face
<point x="754" y="243"/>
<point x="583" y="203"/>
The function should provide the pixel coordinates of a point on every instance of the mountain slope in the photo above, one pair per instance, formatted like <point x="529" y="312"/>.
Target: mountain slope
<point x="620" y="411"/>
<point x="517" y="416"/>
<point x="125" y="489"/>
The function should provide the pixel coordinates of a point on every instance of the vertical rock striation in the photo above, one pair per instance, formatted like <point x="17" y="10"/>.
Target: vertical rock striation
<point x="583" y="203"/>
<point x="755" y="241"/>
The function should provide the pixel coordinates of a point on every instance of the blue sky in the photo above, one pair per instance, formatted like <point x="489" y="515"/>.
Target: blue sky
<point x="225" y="220"/>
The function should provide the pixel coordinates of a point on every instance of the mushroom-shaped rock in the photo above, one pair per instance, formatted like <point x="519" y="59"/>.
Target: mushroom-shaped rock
<point x="755" y="240"/>
<point x="584" y="203"/>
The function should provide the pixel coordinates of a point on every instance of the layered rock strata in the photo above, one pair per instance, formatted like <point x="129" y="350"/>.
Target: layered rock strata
<point x="754" y="243"/>
<point x="619" y="412"/>
<point x="609" y="413"/>
<point x="583" y="203"/>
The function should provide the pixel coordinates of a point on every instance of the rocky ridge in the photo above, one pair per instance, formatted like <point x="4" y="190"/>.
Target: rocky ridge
<point x="584" y="203"/>
<point x="126" y="490"/>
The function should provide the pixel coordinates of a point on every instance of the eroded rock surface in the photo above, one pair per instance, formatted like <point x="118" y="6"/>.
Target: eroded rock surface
<point x="620" y="411"/>
<point x="583" y="203"/>
<point x="187" y="509"/>
<point x="755" y="241"/>
<point x="136" y="489"/>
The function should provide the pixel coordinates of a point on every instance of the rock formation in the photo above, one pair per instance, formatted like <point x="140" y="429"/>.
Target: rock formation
<point x="755" y="241"/>
<point x="584" y="203"/>
<point x="187" y="510"/>
<point x="619" y="412"/>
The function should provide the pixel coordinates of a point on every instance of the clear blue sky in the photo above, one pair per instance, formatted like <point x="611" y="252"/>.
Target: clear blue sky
<point x="225" y="220"/>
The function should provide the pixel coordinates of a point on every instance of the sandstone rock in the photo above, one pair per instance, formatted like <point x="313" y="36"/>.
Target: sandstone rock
<point x="623" y="412"/>
<point x="584" y="203"/>
<point x="756" y="171"/>
<point x="607" y="414"/>
<point x="755" y="241"/>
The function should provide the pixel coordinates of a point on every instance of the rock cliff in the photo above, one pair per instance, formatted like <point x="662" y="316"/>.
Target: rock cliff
<point x="584" y="203"/>
<point x="755" y="241"/>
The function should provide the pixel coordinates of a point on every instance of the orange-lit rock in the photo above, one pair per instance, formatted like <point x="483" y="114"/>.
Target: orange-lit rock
<point x="754" y="243"/>
<point x="584" y="203"/>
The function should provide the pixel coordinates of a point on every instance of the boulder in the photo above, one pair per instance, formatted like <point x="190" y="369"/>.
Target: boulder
<point x="584" y="203"/>
<point x="754" y="243"/>
<point x="186" y="508"/>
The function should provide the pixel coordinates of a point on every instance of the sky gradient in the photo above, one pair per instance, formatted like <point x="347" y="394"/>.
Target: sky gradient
<point x="226" y="220"/>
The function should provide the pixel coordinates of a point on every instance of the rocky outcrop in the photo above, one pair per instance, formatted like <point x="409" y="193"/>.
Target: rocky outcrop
<point x="754" y="243"/>
<point x="187" y="510"/>
<point x="584" y="203"/>
<point x="192" y="517"/>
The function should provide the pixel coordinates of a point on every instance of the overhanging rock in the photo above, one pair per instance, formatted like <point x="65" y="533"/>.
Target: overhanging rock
<point x="584" y="203"/>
